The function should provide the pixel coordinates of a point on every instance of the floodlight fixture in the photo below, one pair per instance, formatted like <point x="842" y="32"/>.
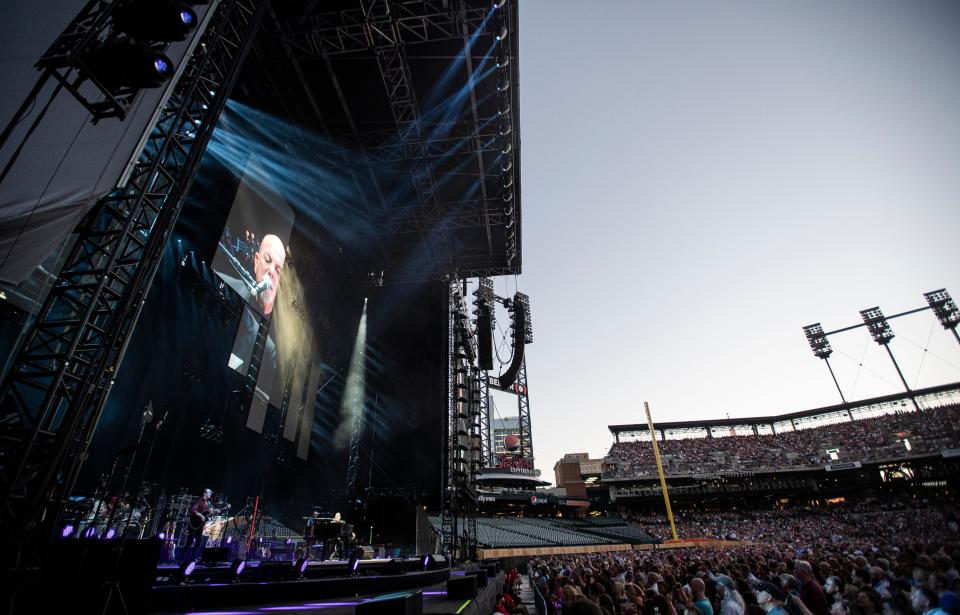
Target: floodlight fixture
<point x="820" y="346"/>
<point x="882" y="334"/>
<point x="945" y="310"/>
<point x="877" y="325"/>
<point x="818" y="341"/>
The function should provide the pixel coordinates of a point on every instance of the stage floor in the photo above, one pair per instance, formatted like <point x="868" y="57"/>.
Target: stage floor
<point x="435" y="602"/>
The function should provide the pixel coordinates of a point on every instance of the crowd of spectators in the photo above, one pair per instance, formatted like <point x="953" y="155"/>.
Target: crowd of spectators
<point x="859" y="559"/>
<point x="895" y="435"/>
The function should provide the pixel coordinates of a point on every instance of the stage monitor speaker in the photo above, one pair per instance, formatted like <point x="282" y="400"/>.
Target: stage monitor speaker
<point x="411" y="604"/>
<point x="91" y="576"/>
<point x="215" y="555"/>
<point x="367" y="552"/>
<point x="462" y="588"/>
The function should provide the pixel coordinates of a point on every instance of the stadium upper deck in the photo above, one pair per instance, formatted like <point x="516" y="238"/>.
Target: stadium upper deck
<point x="878" y="429"/>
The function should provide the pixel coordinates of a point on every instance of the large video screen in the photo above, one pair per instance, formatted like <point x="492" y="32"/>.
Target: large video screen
<point x="251" y="257"/>
<point x="253" y="246"/>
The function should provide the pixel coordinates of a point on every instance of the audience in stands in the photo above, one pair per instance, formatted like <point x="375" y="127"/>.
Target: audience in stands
<point x="895" y="435"/>
<point x="854" y="559"/>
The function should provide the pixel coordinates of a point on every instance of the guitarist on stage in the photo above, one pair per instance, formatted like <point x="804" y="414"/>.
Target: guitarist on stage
<point x="198" y="517"/>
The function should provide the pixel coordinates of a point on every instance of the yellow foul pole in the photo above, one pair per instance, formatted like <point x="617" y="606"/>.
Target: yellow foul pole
<point x="663" y="479"/>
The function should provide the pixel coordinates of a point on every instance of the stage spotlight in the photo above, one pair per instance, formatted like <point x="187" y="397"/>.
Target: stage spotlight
<point x="507" y="196"/>
<point x="237" y="567"/>
<point x="502" y="34"/>
<point x="110" y="534"/>
<point x="126" y="63"/>
<point x="67" y="531"/>
<point x="503" y="61"/>
<point x="498" y="4"/>
<point x="301" y="566"/>
<point x="151" y="21"/>
<point x="90" y="532"/>
<point x="504" y="85"/>
<point x="186" y="569"/>
<point x="507" y="164"/>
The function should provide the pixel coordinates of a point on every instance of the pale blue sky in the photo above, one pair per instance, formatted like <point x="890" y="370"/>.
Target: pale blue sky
<point x="701" y="179"/>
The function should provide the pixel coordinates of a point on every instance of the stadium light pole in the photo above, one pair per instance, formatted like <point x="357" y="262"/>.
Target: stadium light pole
<point x="821" y="348"/>
<point x="882" y="334"/>
<point x="945" y="309"/>
<point x="663" y="479"/>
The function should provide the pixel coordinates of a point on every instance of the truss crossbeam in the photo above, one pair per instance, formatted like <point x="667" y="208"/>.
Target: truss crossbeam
<point x="354" y="30"/>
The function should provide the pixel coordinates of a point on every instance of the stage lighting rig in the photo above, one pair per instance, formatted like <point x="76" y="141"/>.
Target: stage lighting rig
<point x="127" y="63"/>
<point x="211" y="431"/>
<point x="152" y="21"/>
<point x="945" y="310"/>
<point x="118" y="47"/>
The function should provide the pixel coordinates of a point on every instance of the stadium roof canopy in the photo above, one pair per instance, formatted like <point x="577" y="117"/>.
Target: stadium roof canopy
<point x="802" y="416"/>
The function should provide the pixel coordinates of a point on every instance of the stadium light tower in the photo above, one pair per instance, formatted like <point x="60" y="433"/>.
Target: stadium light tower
<point x="946" y="310"/>
<point x="820" y="346"/>
<point x="882" y="334"/>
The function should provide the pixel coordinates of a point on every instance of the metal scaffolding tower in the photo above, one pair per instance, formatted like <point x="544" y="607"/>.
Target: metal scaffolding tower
<point x="463" y="446"/>
<point x="54" y="395"/>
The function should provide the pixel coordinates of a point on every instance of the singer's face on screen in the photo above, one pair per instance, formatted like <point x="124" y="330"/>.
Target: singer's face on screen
<point x="268" y="262"/>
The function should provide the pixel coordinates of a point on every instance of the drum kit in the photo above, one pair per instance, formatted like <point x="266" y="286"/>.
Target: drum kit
<point x="105" y="516"/>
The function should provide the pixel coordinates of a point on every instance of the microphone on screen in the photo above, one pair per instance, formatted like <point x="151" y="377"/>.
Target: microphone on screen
<point x="262" y="286"/>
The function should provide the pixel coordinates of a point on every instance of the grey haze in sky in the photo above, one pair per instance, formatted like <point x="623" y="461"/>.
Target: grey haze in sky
<point x="702" y="179"/>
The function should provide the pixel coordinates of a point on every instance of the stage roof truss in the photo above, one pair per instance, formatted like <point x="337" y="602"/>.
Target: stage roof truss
<point x="418" y="101"/>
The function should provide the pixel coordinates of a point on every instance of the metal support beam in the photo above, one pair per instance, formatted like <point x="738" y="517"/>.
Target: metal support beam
<point x="523" y="408"/>
<point x="410" y="22"/>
